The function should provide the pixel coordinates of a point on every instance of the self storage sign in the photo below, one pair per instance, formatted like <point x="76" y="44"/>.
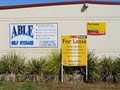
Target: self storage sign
<point x="96" y="28"/>
<point x="33" y="35"/>
<point x="74" y="50"/>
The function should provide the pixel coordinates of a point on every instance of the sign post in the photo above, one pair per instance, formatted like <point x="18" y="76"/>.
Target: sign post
<point x="74" y="51"/>
<point x="62" y="73"/>
<point x="86" y="75"/>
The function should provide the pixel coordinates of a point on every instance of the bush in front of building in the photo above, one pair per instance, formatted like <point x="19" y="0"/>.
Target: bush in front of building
<point x="53" y="64"/>
<point x="35" y="66"/>
<point x="93" y="67"/>
<point x="12" y="63"/>
<point x="106" y="68"/>
<point x="116" y="71"/>
<point x="34" y="69"/>
<point x="48" y="68"/>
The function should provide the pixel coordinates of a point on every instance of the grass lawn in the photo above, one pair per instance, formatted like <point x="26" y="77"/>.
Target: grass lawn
<point x="57" y="86"/>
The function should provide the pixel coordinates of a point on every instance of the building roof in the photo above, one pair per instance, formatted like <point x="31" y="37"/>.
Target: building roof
<point x="11" y="4"/>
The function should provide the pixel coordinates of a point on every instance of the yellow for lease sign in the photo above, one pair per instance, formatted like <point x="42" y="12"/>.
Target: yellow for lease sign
<point x="96" y="28"/>
<point x="74" y="50"/>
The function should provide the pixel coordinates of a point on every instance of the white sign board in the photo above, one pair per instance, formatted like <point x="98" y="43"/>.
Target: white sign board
<point x="33" y="35"/>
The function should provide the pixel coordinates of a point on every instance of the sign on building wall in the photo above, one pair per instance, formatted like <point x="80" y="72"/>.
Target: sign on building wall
<point x="96" y="28"/>
<point x="74" y="50"/>
<point x="33" y="35"/>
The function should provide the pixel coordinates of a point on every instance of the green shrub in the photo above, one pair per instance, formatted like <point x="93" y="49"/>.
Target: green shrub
<point x="116" y="71"/>
<point x="107" y="69"/>
<point x="12" y="64"/>
<point x="93" y="67"/>
<point x="117" y="65"/>
<point x="53" y="64"/>
<point x="35" y="66"/>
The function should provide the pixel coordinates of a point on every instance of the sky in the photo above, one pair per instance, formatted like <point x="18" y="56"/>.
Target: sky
<point x="24" y="2"/>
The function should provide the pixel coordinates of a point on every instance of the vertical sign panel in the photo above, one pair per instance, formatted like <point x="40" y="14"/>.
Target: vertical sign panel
<point x="96" y="28"/>
<point x="33" y="35"/>
<point x="74" y="50"/>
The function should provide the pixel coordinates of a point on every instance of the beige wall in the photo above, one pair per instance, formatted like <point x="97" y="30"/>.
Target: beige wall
<point x="110" y="43"/>
<point x="71" y="21"/>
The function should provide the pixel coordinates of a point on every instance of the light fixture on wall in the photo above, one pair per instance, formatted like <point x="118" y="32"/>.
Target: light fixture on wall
<point x="85" y="6"/>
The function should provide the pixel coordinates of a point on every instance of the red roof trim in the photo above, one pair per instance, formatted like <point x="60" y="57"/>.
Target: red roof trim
<point x="103" y="2"/>
<point x="40" y="5"/>
<point x="59" y="3"/>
